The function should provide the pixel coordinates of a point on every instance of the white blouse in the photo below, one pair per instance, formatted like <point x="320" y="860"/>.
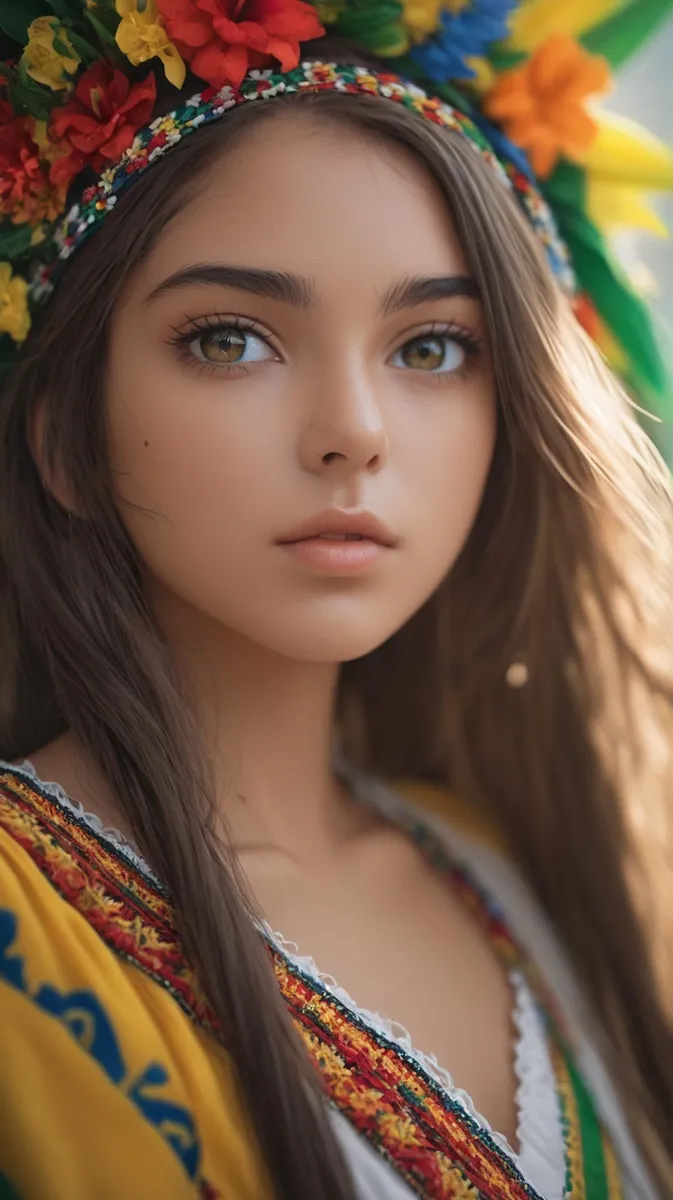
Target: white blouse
<point x="540" y="1154"/>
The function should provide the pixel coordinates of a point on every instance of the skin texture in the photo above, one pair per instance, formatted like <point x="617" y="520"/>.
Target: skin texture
<point x="214" y="463"/>
<point x="229" y="461"/>
<point x="212" y="467"/>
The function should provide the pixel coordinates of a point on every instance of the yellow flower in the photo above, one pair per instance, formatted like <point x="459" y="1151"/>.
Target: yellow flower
<point x="484" y="75"/>
<point x="43" y="61"/>
<point x="141" y="36"/>
<point x="421" y="17"/>
<point x="14" y="315"/>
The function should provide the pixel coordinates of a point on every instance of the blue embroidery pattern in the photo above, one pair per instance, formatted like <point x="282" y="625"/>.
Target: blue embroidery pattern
<point x="83" y="1016"/>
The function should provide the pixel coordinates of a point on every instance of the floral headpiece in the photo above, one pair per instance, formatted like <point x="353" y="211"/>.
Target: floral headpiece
<point x="518" y="78"/>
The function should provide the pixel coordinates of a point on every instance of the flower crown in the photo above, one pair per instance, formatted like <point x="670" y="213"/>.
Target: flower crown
<point x="80" y="95"/>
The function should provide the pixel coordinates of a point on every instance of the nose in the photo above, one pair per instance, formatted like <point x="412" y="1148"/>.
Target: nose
<point x="344" y="432"/>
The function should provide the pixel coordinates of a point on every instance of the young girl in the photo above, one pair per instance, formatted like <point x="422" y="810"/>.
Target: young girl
<point x="310" y="481"/>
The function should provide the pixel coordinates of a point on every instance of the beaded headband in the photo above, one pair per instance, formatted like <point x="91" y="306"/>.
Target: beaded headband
<point x="80" y="94"/>
<point x="166" y="131"/>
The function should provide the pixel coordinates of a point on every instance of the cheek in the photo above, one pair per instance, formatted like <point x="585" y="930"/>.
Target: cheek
<point x="190" y="470"/>
<point x="448" y="462"/>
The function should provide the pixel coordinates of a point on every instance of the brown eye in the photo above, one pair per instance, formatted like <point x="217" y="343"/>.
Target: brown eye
<point x="222" y="345"/>
<point x="229" y="346"/>
<point x="424" y="354"/>
<point x="432" y="353"/>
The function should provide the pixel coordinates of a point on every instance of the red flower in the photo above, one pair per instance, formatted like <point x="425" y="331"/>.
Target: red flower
<point x="27" y="193"/>
<point x="100" y="120"/>
<point x="223" y="39"/>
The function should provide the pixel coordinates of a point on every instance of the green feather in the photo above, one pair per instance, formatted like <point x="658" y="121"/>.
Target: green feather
<point x="617" y="39"/>
<point x="622" y="35"/>
<point x="566" y="185"/>
<point x="623" y="312"/>
<point x="625" y="315"/>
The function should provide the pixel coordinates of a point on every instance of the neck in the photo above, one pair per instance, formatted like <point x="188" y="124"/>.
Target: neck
<point x="268" y="728"/>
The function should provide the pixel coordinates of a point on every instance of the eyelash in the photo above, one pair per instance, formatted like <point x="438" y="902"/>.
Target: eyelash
<point x="182" y="339"/>
<point x="467" y="341"/>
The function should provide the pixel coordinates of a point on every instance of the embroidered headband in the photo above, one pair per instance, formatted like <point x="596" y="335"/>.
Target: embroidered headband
<point x="80" y="92"/>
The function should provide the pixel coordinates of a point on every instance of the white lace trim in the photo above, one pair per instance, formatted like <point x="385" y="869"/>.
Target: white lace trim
<point x="539" y="1130"/>
<point x="540" y="1137"/>
<point x="55" y="791"/>
<point x="540" y="1157"/>
<point x="391" y="1030"/>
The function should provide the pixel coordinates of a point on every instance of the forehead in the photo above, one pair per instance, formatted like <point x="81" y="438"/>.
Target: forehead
<point x="311" y="195"/>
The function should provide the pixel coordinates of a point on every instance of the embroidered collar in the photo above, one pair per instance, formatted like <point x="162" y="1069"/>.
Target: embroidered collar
<point x="433" y="1142"/>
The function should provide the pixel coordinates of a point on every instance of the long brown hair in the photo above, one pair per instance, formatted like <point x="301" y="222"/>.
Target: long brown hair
<point x="567" y="569"/>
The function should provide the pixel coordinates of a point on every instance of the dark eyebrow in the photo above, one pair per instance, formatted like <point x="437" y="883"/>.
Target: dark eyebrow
<point x="276" y="285"/>
<point x="301" y="293"/>
<point x="424" y="288"/>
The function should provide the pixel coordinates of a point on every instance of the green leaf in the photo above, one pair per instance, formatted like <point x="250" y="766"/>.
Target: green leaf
<point x="7" y="47"/>
<point x="32" y="97"/>
<point x="362" y="23"/>
<point x="15" y="240"/>
<point x="8" y="73"/>
<point x="620" y="37"/>
<point x="105" y="26"/>
<point x="88" y="53"/>
<point x="66" y="9"/>
<point x="386" y="41"/>
<point x="60" y="46"/>
<point x="17" y="15"/>
<point x="503" y="59"/>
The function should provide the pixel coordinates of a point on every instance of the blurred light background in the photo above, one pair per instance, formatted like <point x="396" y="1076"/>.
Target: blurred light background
<point x="644" y="92"/>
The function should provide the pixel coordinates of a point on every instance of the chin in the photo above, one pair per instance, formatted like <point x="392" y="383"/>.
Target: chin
<point x="339" y="640"/>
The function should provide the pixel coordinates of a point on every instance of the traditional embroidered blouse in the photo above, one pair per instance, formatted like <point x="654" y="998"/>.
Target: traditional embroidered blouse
<point x="113" y="1084"/>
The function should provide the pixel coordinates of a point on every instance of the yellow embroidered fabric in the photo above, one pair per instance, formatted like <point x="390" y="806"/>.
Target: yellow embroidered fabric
<point x="74" y="1018"/>
<point x="113" y="1083"/>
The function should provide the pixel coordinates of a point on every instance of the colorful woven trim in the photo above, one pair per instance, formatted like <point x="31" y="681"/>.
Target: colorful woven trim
<point x="591" y="1171"/>
<point x="430" y="1139"/>
<point x="165" y="132"/>
<point x="123" y="906"/>
<point x="428" y="1136"/>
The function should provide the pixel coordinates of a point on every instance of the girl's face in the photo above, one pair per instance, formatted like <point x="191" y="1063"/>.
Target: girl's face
<point x="303" y="345"/>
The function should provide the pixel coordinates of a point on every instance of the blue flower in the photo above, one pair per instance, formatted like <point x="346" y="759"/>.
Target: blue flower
<point x="461" y="36"/>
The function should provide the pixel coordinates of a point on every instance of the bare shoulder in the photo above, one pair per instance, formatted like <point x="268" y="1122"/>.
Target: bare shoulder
<point x="63" y="762"/>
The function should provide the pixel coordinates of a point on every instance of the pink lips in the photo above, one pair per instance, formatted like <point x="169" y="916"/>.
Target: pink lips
<point x="339" y="542"/>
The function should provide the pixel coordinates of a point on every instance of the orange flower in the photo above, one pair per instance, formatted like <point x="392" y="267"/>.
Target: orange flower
<point x="586" y="315"/>
<point x="541" y="105"/>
